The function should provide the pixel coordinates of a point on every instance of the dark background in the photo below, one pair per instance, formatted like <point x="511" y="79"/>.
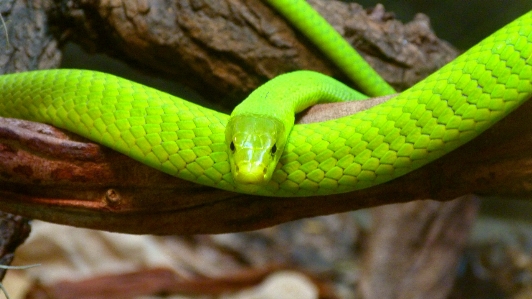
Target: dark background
<point x="460" y="22"/>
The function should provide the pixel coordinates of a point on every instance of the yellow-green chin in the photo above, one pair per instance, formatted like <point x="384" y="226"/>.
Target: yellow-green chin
<point x="250" y="176"/>
<point x="248" y="172"/>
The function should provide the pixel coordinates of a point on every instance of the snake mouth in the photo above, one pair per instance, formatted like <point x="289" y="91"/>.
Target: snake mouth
<point x="247" y="172"/>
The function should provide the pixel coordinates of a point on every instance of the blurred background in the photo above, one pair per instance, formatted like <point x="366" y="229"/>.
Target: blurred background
<point x="462" y="23"/>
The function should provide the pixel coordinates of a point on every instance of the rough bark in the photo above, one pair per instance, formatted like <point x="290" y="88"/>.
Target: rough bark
<point x="26" y="42"/>
<point x="13" y="231"/>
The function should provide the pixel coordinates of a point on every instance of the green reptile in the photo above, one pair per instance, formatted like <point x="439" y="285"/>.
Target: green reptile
<point x="435" y="116"/>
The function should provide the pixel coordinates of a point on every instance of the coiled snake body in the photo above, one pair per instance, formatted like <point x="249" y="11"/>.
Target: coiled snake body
<point x="440" y="113"/>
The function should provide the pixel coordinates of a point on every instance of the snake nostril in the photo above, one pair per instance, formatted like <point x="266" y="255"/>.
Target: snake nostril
<point x="237" y="168"/>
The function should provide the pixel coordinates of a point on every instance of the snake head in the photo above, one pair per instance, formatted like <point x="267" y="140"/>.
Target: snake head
<point x="255" y="144"/>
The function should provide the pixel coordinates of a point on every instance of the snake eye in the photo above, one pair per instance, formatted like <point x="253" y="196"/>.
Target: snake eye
<point x="274" y="149"/>
<point x="232" y="146"/>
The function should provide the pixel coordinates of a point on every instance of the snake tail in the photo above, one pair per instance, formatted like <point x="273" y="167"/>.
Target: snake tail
<point x="308" y="21"/>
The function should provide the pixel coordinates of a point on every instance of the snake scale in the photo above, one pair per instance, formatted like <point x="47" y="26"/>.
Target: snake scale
<point x="435" y="116"/>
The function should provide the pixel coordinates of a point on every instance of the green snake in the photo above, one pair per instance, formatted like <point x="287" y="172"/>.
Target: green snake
<point x="435" y="116"/>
